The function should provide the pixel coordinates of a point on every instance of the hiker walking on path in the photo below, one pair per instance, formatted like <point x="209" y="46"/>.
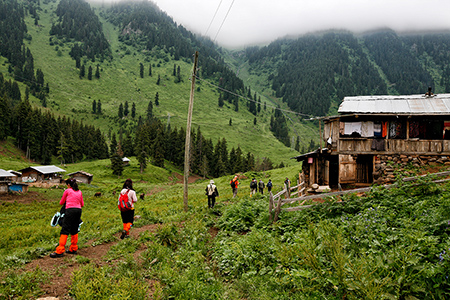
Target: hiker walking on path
<point x="212" y="193"/>
<point x="72" y="199"/>
<point x="261" y="186"/>
<point x="269" y="185"/>
<point x="234" y="183"/>
<point x="253" y="187"/>
<point x="287" y="183"/>
<point x="128" y="215"/>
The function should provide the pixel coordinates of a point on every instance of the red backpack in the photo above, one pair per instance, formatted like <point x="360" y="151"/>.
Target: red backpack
<point x="124" y="204"/>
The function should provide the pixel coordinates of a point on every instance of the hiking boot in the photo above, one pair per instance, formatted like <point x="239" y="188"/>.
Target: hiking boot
<point x="71" y="252"/>
<point x="124" y="233"/>
<point x="55" y="255"/>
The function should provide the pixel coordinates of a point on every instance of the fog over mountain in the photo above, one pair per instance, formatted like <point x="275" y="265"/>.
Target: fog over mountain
<point x="238" y="23"/>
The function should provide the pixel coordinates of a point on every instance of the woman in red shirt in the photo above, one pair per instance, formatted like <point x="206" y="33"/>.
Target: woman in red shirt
<point x="72" y="199"/>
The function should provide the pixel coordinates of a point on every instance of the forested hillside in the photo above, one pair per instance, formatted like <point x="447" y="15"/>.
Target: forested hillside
<point x="313" y="73"/>
<point x="119" y="75"/>
<point x="117" y="66"/>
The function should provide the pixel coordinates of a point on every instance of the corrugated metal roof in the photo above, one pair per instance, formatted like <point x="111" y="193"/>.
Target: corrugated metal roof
<point x="412" y="104"/>
<point x="46" y="169"/>
<point x="4" y="173"/>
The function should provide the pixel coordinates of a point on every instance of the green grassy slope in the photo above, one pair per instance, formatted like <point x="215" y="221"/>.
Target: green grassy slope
<point x="120" y="81"/>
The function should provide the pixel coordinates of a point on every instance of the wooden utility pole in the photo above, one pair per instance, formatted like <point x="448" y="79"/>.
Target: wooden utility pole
<point x="188" y="135"/>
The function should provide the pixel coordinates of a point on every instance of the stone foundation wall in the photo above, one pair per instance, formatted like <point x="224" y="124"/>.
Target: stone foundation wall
<point x="388" y="166"/>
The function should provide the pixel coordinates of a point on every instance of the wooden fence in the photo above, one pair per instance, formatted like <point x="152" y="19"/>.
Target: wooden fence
<point x="302" y="198"/>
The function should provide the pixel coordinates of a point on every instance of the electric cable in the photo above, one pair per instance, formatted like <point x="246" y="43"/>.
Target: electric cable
<point x="212" y="20"/>
<point x="223" y="20"/>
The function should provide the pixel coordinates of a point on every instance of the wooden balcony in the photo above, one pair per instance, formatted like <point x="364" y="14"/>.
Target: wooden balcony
<point x="393" y="146"/>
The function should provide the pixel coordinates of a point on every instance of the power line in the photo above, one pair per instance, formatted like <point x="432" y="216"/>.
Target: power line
<point x="223" y="20"/>
<point x="213" y="17"/>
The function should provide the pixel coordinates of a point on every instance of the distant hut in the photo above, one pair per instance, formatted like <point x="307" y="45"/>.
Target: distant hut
<point x="126" y="161"/>
<point x="17" y="176"/>
<point x="5" y="180"/>
<point x="18" y="187"/>
<point x="50" y="174"/>
<point x="81" y="176"/>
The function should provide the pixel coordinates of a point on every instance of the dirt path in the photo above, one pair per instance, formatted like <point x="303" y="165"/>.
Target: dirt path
<point x="61" y="269"/>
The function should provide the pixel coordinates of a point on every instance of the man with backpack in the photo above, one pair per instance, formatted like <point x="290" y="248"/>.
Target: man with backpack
<point x="261" y="186"/>
<point x="212" y="193"/>
<point x="253" y="187"/>
<point x="269" y="185"/>
<point x="234" y="185"/>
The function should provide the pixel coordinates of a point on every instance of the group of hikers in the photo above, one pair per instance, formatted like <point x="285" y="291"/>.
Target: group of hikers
<point x="212" y="192"/>
<point x="72" y="202"/>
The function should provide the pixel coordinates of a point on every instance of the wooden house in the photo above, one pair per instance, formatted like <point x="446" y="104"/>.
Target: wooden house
<point x="5" y="181"/>
<point x="81" y="176"/>
<point x="49" y="174"/>
<point x="373" y="137"/>
<point x="126" y="161"/>
<point x="17" y="175"/>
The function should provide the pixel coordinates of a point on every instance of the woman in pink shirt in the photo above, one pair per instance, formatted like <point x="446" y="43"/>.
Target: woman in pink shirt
<point x="72" y="199"/>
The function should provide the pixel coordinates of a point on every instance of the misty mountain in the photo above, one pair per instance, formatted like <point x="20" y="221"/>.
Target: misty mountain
<point x="313" y="73"/>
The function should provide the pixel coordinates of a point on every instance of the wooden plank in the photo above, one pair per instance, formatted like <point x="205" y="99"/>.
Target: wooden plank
<point x="270" y="205"/>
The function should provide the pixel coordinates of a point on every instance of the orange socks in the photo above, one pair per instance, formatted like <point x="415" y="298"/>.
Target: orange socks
<point x="73" y="243"/>
<point x="62" y="244"/>
<point x="126" y="227"/>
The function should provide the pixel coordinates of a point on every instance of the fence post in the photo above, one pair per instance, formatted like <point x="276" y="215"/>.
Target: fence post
<point x="277" y="211"/>
<point x="270" y="205"/>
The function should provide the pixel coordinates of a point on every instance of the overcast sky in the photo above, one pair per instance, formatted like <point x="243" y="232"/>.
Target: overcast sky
<point x="252" y="22"/>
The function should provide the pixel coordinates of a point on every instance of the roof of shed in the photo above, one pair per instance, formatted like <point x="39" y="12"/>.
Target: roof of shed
<point x="81" y="172"/>
<point x="45" y="169"/>
<point x="412" y="104"/>
<point x="4" y="173"/>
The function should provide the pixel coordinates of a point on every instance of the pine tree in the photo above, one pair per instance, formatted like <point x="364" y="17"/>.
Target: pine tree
<point x="133" y="110"/>
<point x="99" y="107"/>
<point x="150" y="70"/>
<point x="150" y="110"/>
<point x="157" y="99"/>
<point x="82" y="71"/>
<point x="159" y="80"/>
<point x="125" y="109"/>
<point x="120" y="112"/>
<point x="90" y="73"/>
<point x="141" y="70"/>
<point x="97" y="72"/>
<point x="94" y="106"/>
<point x="220" y="100"/>
<point x="116" y="164"/>
<point x="113" y="145"/>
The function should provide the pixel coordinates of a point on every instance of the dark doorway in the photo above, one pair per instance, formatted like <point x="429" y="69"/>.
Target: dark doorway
<point x="334" y="170"/>
<point x="364" y="169"/>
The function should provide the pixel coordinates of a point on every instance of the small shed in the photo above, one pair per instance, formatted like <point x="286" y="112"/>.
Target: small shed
<point x="126" y="161"/>
<point x="17" y="175"/>
<point x="51" y="174"/>
<point x="18" y="187"/>
<point x="82" y="176"/>
<point x="5" y="180"/>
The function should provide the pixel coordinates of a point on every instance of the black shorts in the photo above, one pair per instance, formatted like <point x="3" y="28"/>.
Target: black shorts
<point x="71" y="221"/>
<point x="127" y="216"/>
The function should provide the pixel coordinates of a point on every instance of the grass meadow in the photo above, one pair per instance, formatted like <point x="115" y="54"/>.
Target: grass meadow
<point x="387" y="244"/>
